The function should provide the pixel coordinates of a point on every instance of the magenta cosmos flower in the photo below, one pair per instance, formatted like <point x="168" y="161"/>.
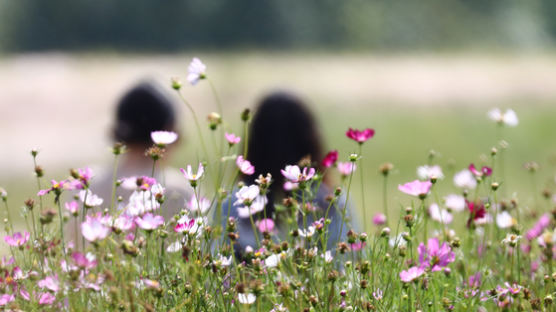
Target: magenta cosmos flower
<point x="416" y="188"/>
<point x="360" y="136"/>
<point x="232" y="138"/>
<point x="56" y="187"/>
<point x="539" y="227"/>
<point x="379" y="219"/>
<point x="149" y="222"/>
<point x="434" y="256"/>
<point x="411" y="274"/>
<point x="485" y="171"/>
<point x="295" y="175"/>
<point x="17" y="239"/>
<point x="244" y="165"/>
<point x="94" y="229"/>
<point x="330" y="159"/>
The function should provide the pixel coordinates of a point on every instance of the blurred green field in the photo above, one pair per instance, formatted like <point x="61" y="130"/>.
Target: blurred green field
<point x="406" y="130"/>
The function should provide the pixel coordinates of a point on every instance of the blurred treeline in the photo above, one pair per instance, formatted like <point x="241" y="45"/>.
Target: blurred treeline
<point x="171" y="25"/>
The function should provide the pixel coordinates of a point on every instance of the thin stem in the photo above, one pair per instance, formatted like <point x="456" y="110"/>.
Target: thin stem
<point x="196" y="120"/>
<point x="114" y="177"/>
<point x="362" y="186"/>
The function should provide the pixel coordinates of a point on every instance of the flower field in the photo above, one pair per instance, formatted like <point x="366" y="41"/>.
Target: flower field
<point x="450" y="239"/>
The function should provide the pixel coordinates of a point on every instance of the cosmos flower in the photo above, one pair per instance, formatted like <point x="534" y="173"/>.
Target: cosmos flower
<point x="196" y="71"/>
<point x="123" y="223"/>
<point x="295" y="175"/>
<point x="434" y="256"/>
<point x="330" y="159"/>
<point x="6" y="298"/>
<point x="265" y="225"/>
<point x="379" y="219"/>
<point x="454" y="202"/>
<point x="90" y="199"/>
<point x="46" y="298"/>
<point x="72" y="207"/>
<point x="430" y="172"/>
<point x="87" y="261"/>
<point x="416" y="188"/>
<point x="193" y="177"/>
<point x="539" y="227"/>
<point x="149" y="221"/>
<point x="485" y="171"/>
<point x="56" y="187"/>
<point x="244" y="165"/>
<point x="272" y="261"/>
<point x="17" y="239"/>
<point x="94" y="229"/>
<point x="477" y="212"/>
<point x="232" y="138"/>
<point x="50" y="282"/>
<point x="508" y="118"/>
<point x="411" y="274"/>
<point x="505" y="220"/>
<point x="201" y="205"/>
<point x="163" y="138"/>
<point x="246" y="298"/>
<point x="346" y="168"/>
<point x="440" y="215"/>
<point x="360" y="136"/>
<point x="465" y="180"/>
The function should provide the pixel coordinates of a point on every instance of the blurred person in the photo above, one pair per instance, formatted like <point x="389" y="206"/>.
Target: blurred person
<point x="145" y="108"/>
<point x="283" y="132"/>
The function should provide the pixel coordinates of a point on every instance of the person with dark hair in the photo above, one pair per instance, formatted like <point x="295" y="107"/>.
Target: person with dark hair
<point x="143" y="109"/>
<point x="283" y="132"/>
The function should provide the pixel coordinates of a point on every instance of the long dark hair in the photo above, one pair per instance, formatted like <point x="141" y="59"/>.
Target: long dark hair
<point x="141" y="110"/>
<point x="283" y="132"/>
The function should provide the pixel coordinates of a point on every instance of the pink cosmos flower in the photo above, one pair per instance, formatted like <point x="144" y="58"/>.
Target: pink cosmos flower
<point x="50" y="282"/>
<point x="440" y="215"/>
<point x="485" y="171"/>
<point x="94" y="228"/>
<point x="123" y="223"/>
<point x="17" y="239"/>
<point x="87" y="261"/>
<point x="149" y="221"/>
<point x="360" y="136"/>
<point x="46" y="298"/>
<point x="6" y="298"/>
<point x="539" y="227"/>
<point x="265" y="225"/>
<point x="416" y="188"/>
<point x="244" y="165"/>
<point x="357" y="246"/>
<point x="56" y="187"/>
<point x="72" y="207"/>
<point x="411" y="274"/>
<point x="346" y="168"/>
<point x="232" y="138"/>
<point x="330" y="159"/>
<point x="289" y="186"/>
<point x="434" y="256"/>
<point x="295" y="175"/>
<point x="379" y="219"/>
<point x="193" y="177"/>
<point x="196" y="71"/>
<point x="185" y="225"/>
<point x="163" y="138"/>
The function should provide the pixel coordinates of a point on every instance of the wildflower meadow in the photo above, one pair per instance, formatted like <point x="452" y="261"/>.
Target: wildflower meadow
<point x="476" y="247"/>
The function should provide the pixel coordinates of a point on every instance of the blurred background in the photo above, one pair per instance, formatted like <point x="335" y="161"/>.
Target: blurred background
<point x="422" y="73"/>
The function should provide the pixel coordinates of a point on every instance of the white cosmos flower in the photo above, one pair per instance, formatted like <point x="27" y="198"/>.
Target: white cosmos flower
<point x="174" y="247"/>
<point x="189" y="175"/>
<point x="465" y="180"/>
<point x="455" y="202"/>
<point x="90" y="199"/>
<point x="202" y="205"/>
<point x="163" y="137"/>
<point x="429" y="172"/>
<point x="225" y="261"/>
<point x="307" y="233"/>
<point x="504" y="220"/>
<point x="251" y="199"/>
<point x="440" y="215"/>
<point x="141" y="202"/>
<point x="246" y="298"/>
<point x="196" y="71"/>
<point x="508" y="118"/>
<point x="272" y="261"/>
<point x="328" y="256"/>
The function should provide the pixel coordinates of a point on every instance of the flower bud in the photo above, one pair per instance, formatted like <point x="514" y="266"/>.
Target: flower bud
<point x="385" y="168"/>
<point x="176" y="83"/>
<point x="246" y="114"/>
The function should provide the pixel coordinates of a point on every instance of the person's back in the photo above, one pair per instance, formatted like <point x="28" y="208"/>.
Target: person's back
<point x="284" y="133"/>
